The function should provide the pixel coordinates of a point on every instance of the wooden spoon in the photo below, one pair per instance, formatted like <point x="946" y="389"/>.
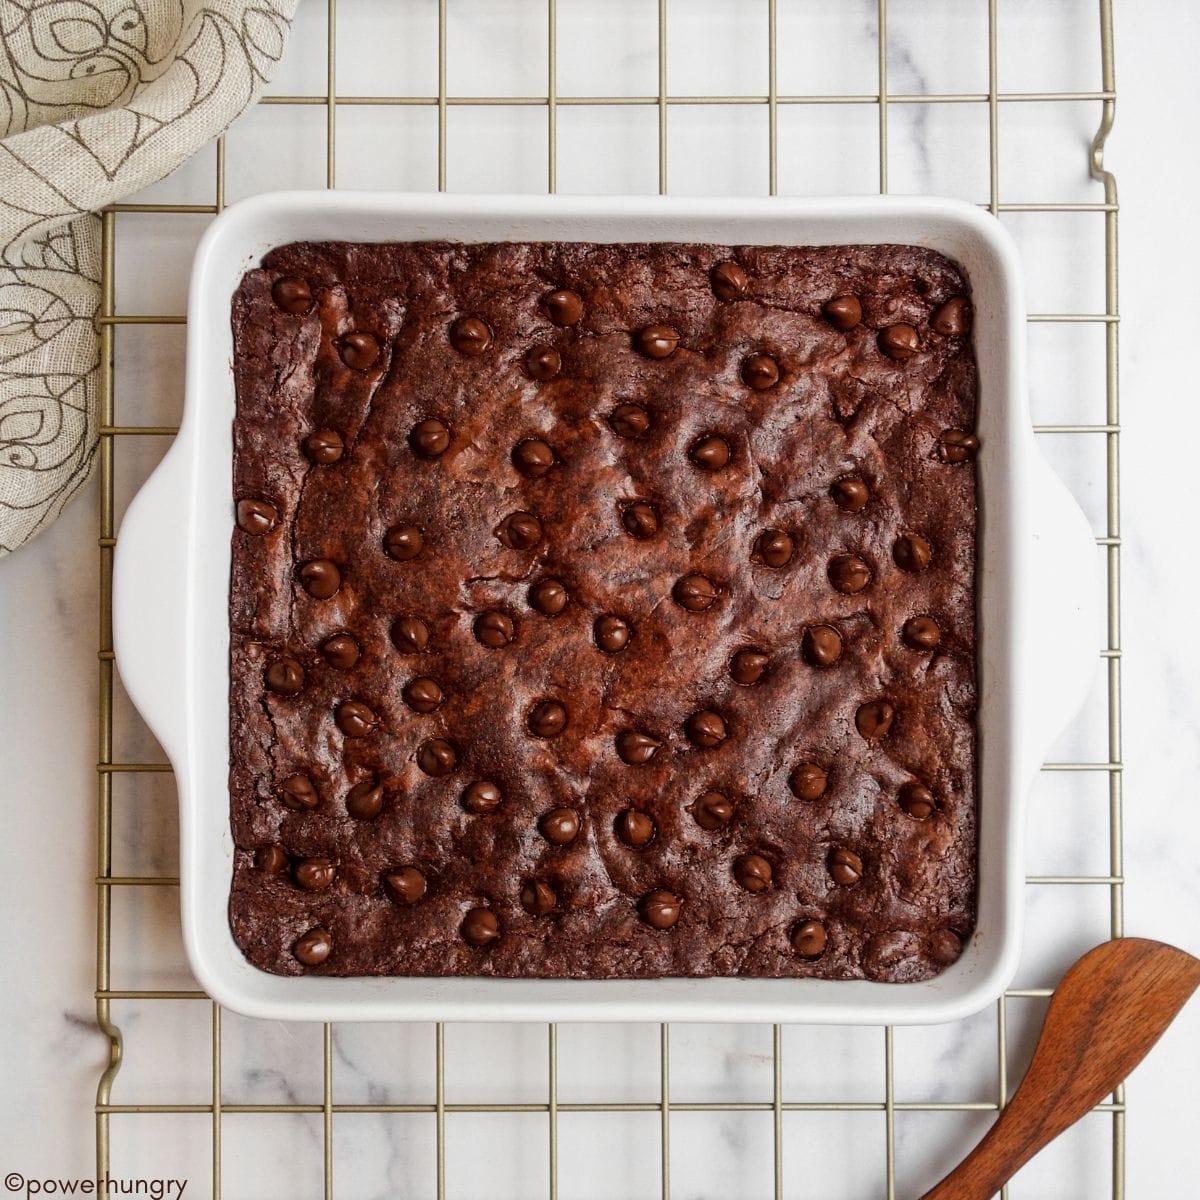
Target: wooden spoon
<point x="1107" y="1012"/>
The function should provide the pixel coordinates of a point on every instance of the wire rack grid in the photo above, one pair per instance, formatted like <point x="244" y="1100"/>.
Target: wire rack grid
<point x="114" y="436"/>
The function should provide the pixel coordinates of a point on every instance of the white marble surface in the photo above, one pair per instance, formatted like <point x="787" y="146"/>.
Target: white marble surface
<point x="48" y="619"/>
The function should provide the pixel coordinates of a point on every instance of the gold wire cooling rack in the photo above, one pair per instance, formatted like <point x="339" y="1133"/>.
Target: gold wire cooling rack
<point x="114" y="436"/>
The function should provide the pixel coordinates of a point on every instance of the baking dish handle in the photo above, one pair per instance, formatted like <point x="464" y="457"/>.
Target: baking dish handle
<point x="150" y="589"/>
<point x="1067" y="623"/>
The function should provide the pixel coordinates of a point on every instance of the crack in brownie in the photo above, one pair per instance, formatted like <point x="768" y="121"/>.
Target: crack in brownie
<point x="603" y="611"/>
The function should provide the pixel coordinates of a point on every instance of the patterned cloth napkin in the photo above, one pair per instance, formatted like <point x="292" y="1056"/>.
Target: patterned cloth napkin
<point x="98" y="98"/>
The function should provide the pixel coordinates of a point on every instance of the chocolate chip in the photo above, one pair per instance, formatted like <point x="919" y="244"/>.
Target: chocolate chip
<point x="519" y="531"/>
<point x="410" y="635"/>
<point x="533" y="457"/>
<point x="846" y="867"/>
<point x="314" y="874"/>
<point x="481" y="797"/>
<point x="773" y="548"/>
<point x="359" y="351"/>
<point x="921" y="633"/>
<point x="470" y="336"/>
<point x="874" y="719"/>
<point x="542" y="363"/>
<point x="695" y="593"/>
<point x="270" y="860"/>
<point x="429" y="438"/>
<point x="423" y="695"/>
<point x="612" y="633"/>
<point x="849" y="573"/>
<point x="324" y="446"/>
<point x="548" y="596"/>
<point x="298" y="793"/>
<point x="917" y="800"/>
<point x="314" y="947"/>
<point x="821" y="645"/>
<point x="292" y="294"/>
<point x="636" y="747"/>
<point x="760" y="371"/>
<point x="629" y="420"/>
<point x="537" y="898"/>
<point x="729" y="281"/>
<point x="405" y="885"/>
<point x="706" y="729"/>
<point x="953" y="318"/>
<point x="284" y="676"/>
<point x="320" y="578"/>
<point x="945" y="947"/>
<point x="957" y="446"/>
<point x="437" y="757"/>
<point x="850" y="494"/>
<point x="257" y="516"/>
<point x="635" y="828"/>
<point x="752" y="872"/>
<point x="710" y="452"/>
<point x="748" y="666"/>
<point x="808" y="939"/>
<point x="899" y="342"/>
<point x="355" y="719"/>
<point x="660" y="909"/>
<point x="843" y="312"/>
<point x="480" y="927"/>
<point x="560" y="826"/>
<point x="563" y="307"/>
<point x="912" y="552"/>
<point x="711" y="811"/>
<point x="656" y="341"/>
<point x="364" y="801"/>
<point x="547" y="719"/>
<point x="494" y="629"/>
<point x="340" y="651"/>
<point x="640" y="519"/>
<point x="403" y="542"/>
<point x="808" y="781"/>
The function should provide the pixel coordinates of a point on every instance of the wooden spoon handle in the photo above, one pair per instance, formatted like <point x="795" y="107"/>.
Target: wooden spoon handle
<point x="1107" y="1012"/>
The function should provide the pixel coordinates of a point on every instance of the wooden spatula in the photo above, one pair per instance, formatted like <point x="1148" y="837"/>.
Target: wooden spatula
<point x="1107" y="1012"/>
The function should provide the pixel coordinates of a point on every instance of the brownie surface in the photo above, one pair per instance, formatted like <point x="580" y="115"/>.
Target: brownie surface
<point x="429" y="363"/>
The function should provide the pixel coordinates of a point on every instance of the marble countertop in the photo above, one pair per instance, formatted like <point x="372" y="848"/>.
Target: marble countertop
<point x="49" y="593"/>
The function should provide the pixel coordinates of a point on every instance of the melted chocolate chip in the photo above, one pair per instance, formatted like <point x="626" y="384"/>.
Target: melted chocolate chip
<point x="542" y="363"/>
<point x="710" y="452"/>
<point x="429" y="438"/>
<point x="359" y="351"/>
<point x="849" y="573"/>
<point x="314" y="947"/>
<point x="257" y="516"/>
<point x="729" y="281"/>
<point x="314" y="874"/>
<point x="340" y="651"/>
<point x="320" y="578"/>
<point x="284" y="676"/>
<point x="494" y="629"/>
<point x="921" y="633"/>
<point x="364" y="801"/>
<point x="753" y="872"/>
<point x="711" y="811"/>
<point x="821" y="645"/>
<point x="547" y="719"/>
<point x="695" y="593"/>
<point x="533" y="457"/>
<point x="560" y="826"/>
<point x="957" y="446"/>
<point x="760" y="371"/>
<point x="912" y="552"/>
<point x="808" y="781"/>
<point x="748" y="666"/>
<point x="298" y="793"/>
<point x="660" y="909"/>
<point x="612" y="633"/>
<point x="548" y="596"/>
<point x="846" y="867"/>
<point x="706" y="729"/>
<point x="656" y="341"/>
<point x="405" y="885"/>
<point x="640" y="519"/>
<point x="410" y="635"/>
<point x="850" y="494"/>
<point x="953" y="318"/>
<point x="537" y="898"/>
<point x="917" y="800"/>
<point x="355" y="719"/>
<point x="292" y="294"/>
<point x="773" y="548"/>
<point x="635" y="747"/>
<point x="403" y="542"/>
<point x="481" y="797"/>
<point x="563" y="307"/>
<point x="629" y="420"/>
<point x="808" y="939"/>
<point x="423" y="695"/>
<point x="843" y="312"/>
<point x="437" y="757"/>
<point x="874" y="719"/>
<point x="635" y="828"/>
<point x="470" y="336"/>
<point x="480" y="927"/>
<point x="519" y="531"/>
<point x="899" y="342"/>
<point x="324" y="446"/>
<point x="270" y="860"/>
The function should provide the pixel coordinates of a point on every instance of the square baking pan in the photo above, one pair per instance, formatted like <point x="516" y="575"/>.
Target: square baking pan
<point x="1039" y="626"/>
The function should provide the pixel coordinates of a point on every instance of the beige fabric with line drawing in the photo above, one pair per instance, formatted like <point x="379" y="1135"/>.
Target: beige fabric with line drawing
<point x="98" y="98"/>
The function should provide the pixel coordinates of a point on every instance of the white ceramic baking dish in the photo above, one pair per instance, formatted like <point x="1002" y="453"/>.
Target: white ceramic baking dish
<point x="1039" y="621"/>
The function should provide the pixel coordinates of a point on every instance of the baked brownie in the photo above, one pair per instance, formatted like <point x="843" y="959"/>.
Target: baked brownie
<point x="603" y="611"/>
